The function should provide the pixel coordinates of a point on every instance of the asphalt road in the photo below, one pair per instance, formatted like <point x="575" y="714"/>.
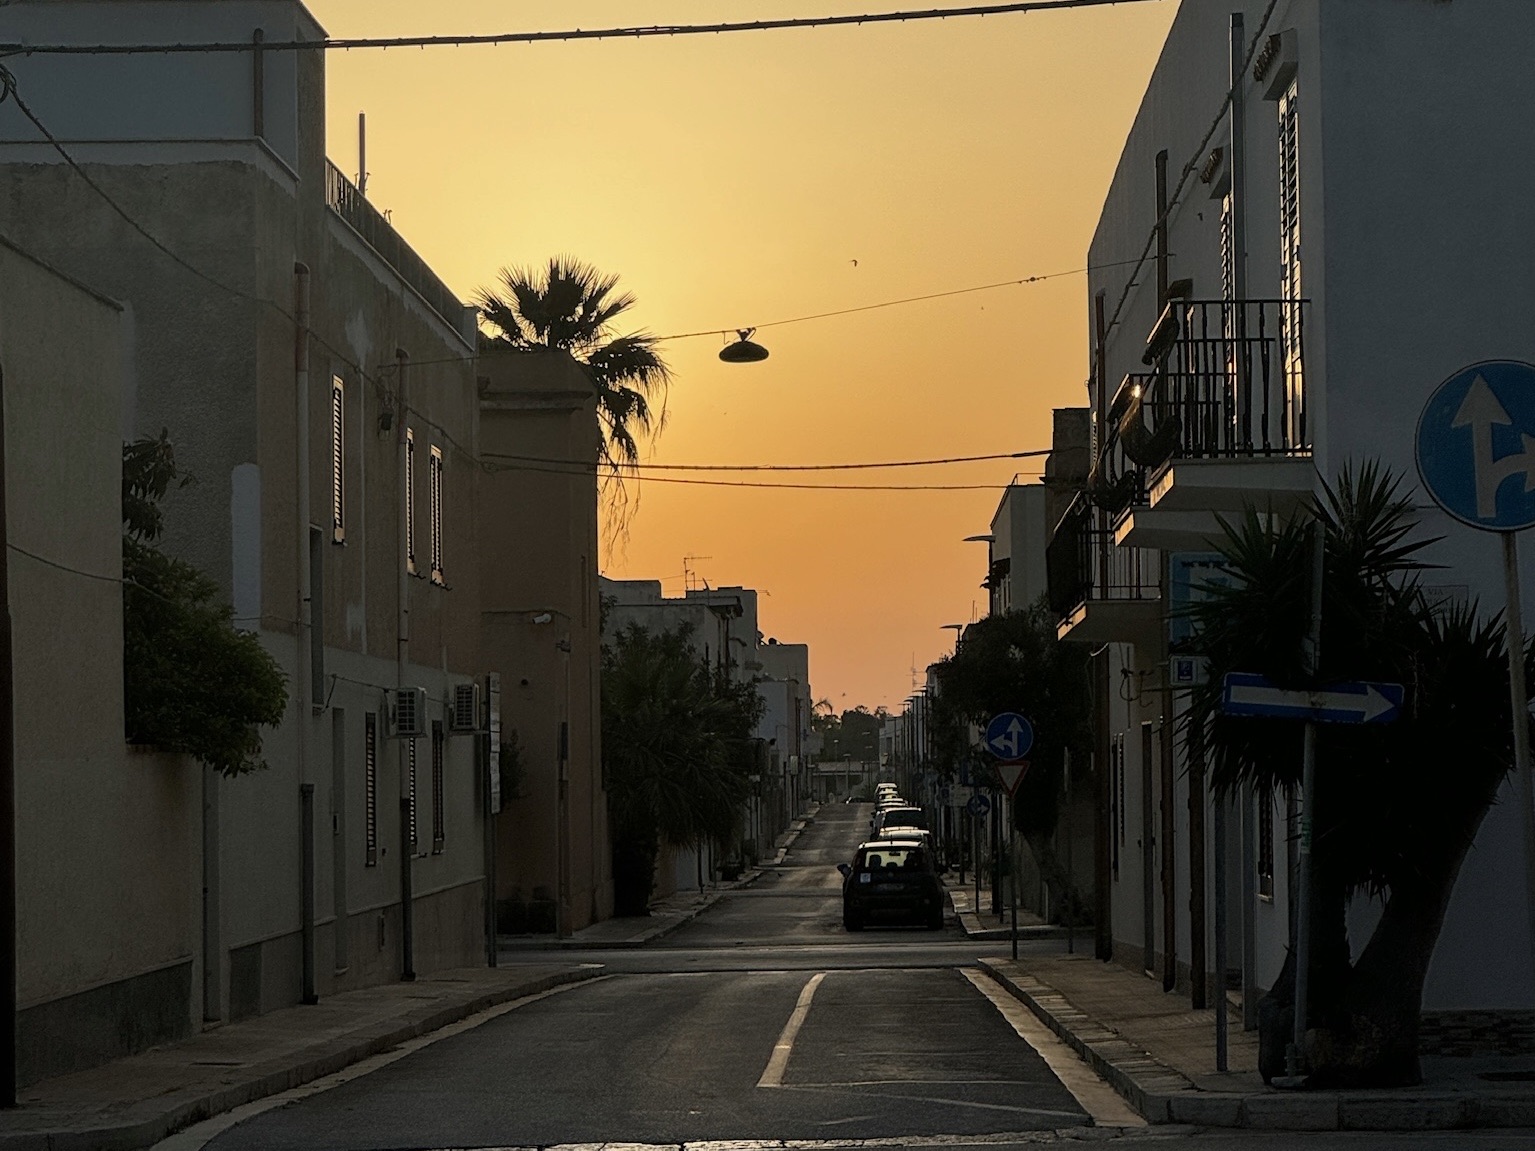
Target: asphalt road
<point x="760" y="1021"/>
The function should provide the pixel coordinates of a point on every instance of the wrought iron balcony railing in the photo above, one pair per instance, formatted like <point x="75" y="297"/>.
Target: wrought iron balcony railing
<point x="1235" y="379"/>
<point x="1084" y="565"/>
<point x="345" y="199"/>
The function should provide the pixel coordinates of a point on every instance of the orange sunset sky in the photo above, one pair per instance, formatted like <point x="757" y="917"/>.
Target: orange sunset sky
<point x="732" y="181"/>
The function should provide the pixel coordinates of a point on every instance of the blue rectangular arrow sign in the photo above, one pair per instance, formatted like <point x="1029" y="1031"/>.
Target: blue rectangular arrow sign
<point x="1254" y="695"/>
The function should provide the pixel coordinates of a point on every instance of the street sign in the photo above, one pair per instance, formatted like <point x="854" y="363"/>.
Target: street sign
<point x="1009" y="736"/>
<point x="1011" y="774"/>
<point x="979" y="805"/>
<point x="1245" y="694"/>
<point x="1476" y="433"/>
<point x="945" y="796"/>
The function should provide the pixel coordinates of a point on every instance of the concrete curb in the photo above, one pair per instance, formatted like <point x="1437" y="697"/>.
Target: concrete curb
<point x="263" y="1079"/>
<point x="1163" y="1095"/>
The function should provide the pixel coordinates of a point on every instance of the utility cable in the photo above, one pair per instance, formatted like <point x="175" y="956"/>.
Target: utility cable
<point x="895" y="303"/>
<point x="9" y="91"/>
<point x="630" y="33"/>
<point x="595" y="465"/>
<point x="495" y="467"/>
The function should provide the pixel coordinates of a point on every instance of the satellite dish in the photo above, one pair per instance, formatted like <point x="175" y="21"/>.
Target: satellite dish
<point x="743" y="351"/>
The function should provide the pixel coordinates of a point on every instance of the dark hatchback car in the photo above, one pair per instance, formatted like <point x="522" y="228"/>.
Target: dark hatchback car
<point x="891" y="881"/>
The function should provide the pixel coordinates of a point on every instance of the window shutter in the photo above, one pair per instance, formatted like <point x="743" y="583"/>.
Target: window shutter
<point x="370" y="785"/>
<point x="410" y="500"/>
<point x="337" y="460"/>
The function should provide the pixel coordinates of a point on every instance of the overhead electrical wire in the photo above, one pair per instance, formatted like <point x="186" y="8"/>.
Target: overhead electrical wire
<point x="334" y="44"/>
<point x="895" y="303"/>
<point x="491" y="465"/>
<point x="592" y="464"/>
<point x="9" y="91"/>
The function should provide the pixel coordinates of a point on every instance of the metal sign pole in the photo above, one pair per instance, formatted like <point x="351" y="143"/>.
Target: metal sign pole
<point x="1070" y="906"/>
<point x="1519" y="700"/>
<point x="1012" y="866"/>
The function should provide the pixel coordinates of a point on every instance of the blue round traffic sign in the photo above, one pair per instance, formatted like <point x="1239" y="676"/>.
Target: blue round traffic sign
<point x="978" y="805"/>
<point x="1476" y="445"/>
<point x="1009" y="736"/>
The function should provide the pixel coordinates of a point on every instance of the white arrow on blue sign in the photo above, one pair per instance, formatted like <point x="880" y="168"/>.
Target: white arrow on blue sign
<point x="1477" y="433"/>
<point x="1009" y="735"/>
<point x="1257" y="696"/>
<point x="978" y="805"/>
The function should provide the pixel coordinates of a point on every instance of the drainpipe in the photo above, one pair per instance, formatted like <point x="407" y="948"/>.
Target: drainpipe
<point x="402" y="659"/>
<point x="303" y="670"/>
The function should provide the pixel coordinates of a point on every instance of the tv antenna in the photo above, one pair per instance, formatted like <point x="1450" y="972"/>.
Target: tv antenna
<point x="691" y="580"/>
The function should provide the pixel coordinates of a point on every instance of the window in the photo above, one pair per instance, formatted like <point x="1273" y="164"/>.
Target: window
<point x="1290" y="261"/>
<point x="410" y="501"/>
<point x="411" y="774"/>
<point x="434" y="510"/>
<point x="337" y="460"/>
<point x="370" y="784"/>
<point x="1266" y="844"/>
<point x="438" y="822"/>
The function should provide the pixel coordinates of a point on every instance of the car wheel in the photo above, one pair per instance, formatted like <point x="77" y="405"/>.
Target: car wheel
<point x="935" y="921"/>
<point x="851" y="922"/>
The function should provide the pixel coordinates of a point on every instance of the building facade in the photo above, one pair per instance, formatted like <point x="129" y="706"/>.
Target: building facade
<point x="1282" y="331"/>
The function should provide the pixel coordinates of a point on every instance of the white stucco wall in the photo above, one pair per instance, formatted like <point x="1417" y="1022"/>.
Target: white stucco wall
<point x="1417" y="258"/>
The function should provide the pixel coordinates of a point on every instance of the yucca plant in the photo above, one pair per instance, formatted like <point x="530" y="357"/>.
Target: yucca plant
<point x="1397" y="805"/>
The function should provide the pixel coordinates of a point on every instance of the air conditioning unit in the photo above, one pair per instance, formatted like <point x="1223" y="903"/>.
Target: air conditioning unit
<point x="407" y="712"/>
<point x="465" y="715"/>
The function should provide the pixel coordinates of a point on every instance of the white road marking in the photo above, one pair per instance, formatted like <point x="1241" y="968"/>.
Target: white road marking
<point x="990" y="1139"/>
<point x="1096" y="1097"/>
<point x="199" y="1135"/>
<point x="939" y="1101"/>
<point x="778" y="1062"/>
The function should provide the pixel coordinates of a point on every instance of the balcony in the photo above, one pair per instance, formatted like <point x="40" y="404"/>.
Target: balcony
<point x="1101" y="592"/>
<point x="1230" y="401"/>
<point x="345" y="199"/>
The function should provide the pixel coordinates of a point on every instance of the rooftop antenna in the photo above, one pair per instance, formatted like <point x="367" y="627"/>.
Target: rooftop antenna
<point x="362" y="154"/>
<point x="691" y="580"/>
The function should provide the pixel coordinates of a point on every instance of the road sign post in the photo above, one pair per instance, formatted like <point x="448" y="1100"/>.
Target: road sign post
<point x="1459" y="433"/>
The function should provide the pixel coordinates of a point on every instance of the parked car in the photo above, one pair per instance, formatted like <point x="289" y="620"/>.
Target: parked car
<point x="888" y="817"/>
<point x="891" y="880"/>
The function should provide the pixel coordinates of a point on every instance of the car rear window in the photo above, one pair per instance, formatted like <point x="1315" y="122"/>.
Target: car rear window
<point x="895" y="857"/>
<point x="905" y="817"/>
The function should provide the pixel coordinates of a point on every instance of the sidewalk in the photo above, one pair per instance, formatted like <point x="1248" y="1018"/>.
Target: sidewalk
<point x="1160" y="1055"/>
<point x="980" y="924"/>
<point x="135" y="1102"/>
<point x="667" y="913"/>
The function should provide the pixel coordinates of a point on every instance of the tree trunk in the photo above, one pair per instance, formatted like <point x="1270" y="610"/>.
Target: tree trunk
<point x="1372" y="1040"/>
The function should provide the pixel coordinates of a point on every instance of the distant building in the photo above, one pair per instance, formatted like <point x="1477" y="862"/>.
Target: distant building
<point x="722" y="625"/>
<point x="1026" y="516"/>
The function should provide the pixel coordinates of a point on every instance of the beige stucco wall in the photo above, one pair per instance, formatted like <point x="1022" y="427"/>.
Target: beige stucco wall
<point x="538" y="558"/>
<point x="107" y="851"/>
<point x="211" y="359"/>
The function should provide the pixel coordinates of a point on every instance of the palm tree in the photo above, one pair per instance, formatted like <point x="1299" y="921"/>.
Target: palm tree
<point x="571" y="306"/>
